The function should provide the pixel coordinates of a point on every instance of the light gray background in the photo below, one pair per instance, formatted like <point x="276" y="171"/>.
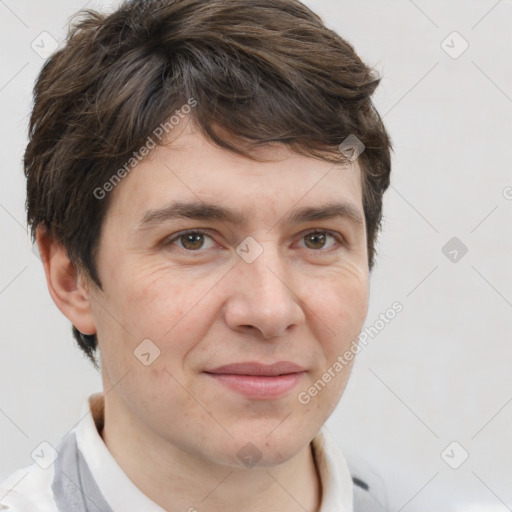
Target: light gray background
<point x="440" y="371"/>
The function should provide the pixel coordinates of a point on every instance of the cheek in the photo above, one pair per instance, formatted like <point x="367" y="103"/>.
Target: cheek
<point x="341" y="303"/>
<point x="347" y="316"/>
<point x="175" y="312"/>
<point x="155" y="300"/>
<point x="338" y="310"/>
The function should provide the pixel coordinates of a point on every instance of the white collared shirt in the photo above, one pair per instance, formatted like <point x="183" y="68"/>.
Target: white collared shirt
<point x="82" y="475"/>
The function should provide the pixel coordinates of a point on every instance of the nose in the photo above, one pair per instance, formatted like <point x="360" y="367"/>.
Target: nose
<point x="263" y="297"/>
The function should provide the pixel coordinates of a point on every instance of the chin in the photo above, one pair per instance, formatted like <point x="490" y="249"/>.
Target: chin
<point x="264" y="450"/>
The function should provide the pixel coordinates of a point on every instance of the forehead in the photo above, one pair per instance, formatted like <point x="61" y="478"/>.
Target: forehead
<point x="191" y="169"/>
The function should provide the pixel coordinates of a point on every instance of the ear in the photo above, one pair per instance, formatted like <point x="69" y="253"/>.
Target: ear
<point x="69" y="291"/>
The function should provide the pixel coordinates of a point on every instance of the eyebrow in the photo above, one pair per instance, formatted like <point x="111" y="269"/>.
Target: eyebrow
<point x="199" y="210"/>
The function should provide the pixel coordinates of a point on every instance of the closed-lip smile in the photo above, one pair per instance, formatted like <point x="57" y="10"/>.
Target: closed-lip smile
<point x="257" y="380"/>
<point x="255" y="368"/>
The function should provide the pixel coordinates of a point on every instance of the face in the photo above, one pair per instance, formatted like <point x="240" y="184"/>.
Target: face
<point x="249" y="270"/>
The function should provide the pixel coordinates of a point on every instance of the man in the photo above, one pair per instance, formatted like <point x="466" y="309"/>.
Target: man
<point x="205" y="182"/>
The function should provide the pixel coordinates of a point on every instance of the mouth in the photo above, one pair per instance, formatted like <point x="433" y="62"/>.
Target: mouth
<point x="257" y="380"/>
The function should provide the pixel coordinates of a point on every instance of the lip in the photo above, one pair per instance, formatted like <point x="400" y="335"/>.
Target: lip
<point x="259" y="381"/>
<point x="258" y="369"/>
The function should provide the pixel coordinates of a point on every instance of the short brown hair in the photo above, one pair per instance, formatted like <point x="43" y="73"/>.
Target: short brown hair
<point x="265" y="71"/>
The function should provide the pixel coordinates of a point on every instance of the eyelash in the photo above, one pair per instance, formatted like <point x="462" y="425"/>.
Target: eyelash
<point x="338" y="237"/>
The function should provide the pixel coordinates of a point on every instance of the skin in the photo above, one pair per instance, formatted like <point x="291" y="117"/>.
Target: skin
<point x="172" y="429"/>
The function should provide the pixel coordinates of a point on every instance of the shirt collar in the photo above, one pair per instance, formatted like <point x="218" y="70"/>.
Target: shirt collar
<point x="337" y="486"/>
<point x="118" y="490"/>
<point x="122" y="494"/>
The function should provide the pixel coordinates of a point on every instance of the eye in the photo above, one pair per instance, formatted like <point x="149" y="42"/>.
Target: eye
<point x="192" y="240"/>
<point x="196" y="239"/>
<point x="318" y="240"/>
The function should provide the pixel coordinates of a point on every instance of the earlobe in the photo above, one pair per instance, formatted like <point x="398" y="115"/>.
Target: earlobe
<point x="66" y="288"/>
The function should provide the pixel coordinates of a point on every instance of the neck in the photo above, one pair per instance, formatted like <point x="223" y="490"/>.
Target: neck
<point x="177" y="480"/>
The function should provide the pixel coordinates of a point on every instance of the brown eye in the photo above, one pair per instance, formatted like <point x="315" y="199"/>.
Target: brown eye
<point x="192" y="241"/>
<point x="319" y="240"/>
<point x="315" y="240"/>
